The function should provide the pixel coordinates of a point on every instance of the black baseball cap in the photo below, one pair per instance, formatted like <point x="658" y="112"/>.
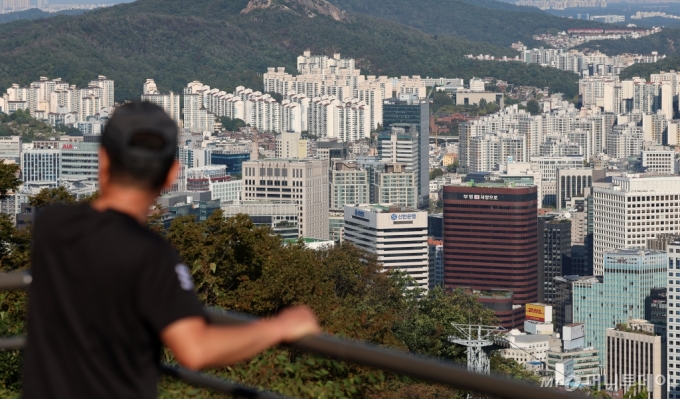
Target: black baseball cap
<point x="135" y="119"/>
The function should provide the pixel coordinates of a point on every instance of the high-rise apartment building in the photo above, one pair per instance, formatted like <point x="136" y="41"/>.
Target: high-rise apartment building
<point x="491" y="243"/>
<point x="169" y="102"/>
<point x="397" y="235"/>
<point x="304" y="181"/>
<point x="291" y="145"/>
<point x="629" y="276"/>
<point x="348" y="185"/>
<point x="411" y="110"/>
<point x="632" y="209"/>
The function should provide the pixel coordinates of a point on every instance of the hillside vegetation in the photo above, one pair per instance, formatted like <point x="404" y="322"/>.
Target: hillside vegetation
<point x="176" y="42"/>
<point x="34" y="13"/>
<point x="644" y="70"/>
<point x="488" y="21"/>
<point x="665" y="42"/>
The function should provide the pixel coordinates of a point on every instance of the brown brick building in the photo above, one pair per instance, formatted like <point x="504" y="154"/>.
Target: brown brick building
<point x="491" y="246"/>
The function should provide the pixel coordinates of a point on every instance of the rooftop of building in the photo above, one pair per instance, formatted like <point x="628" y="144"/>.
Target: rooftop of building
<point x="572" y="278"/>
<point x="490" y="185"/>
<point x="634" y="251"/>
<point x="386" y="208"/>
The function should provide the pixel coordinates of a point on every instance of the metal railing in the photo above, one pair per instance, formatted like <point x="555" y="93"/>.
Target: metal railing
<point x="419" y="367"/>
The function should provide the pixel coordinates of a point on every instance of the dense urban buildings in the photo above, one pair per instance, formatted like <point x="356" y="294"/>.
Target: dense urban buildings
<point x="491" y="243"/>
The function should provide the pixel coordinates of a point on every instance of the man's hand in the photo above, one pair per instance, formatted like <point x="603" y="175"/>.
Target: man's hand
<point x="296" y="323"/>
<point x="196" y="344"/>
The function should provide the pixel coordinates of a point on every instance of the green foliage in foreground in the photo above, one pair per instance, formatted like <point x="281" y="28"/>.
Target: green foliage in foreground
<point x="176" y="42"/>
<point x="241" y="267"/>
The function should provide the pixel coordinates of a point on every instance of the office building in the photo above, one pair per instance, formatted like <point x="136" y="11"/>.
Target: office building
<point x="659" y="161"/>
<point x="491" y="243"/>
<point x="631" y="210"/>
<point x="71" y="162"/>
<point x="349" y="185"/>
<point x="564" y="298"/>
<point x="303" y="181"/>
<point x="233" y="160"/>
<point x="436" y="262"/>
<point x="435" y="226"/>
<point x="571" y="183"/>
<point x="410" y="110"/>
<point x="10" y="148"/>
<point x="291" y="145"/>
<point x="280" y="216"/>
<point x="394" y="185"/>
<point x="629" y="276"/>
<point x="673" y="320"/>
<point x="396" y="235"/>
<point x="554" y="255"/>
<point x="586" y="364"/>
<point x="633" y="349"/>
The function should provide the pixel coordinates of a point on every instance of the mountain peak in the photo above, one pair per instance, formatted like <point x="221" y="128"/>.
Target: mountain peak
<point x="311" y="8"/>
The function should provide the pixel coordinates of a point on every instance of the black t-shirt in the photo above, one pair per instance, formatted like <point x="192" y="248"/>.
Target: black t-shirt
<point x="104" y="287"/>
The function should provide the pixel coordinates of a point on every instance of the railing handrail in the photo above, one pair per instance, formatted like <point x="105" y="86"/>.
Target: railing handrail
<point x="420" y="367"/>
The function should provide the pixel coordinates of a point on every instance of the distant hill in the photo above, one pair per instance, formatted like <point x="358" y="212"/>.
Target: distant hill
<point x="488" y="21"/>
<point x="644" y="70"/>
<point x="34" y="13"/>
<point x="218" y="43"/>
<point x="665" y="42"/>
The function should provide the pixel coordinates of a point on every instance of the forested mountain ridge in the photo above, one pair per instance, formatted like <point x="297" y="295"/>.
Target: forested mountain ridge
<point x="488" y="21"/>
<point x="665" y="42"/>
<point x="176" y="42"/>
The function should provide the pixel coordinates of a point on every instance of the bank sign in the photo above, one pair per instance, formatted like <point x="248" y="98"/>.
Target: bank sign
<point x="403" y="216"/>
<point x="481" y="197"/>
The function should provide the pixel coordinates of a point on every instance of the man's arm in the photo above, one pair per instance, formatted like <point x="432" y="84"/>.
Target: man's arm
<point x="197" y="345"/>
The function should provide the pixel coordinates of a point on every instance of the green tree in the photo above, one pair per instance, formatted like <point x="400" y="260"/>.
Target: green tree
<point x="533" y="107"/>
<point x="9" y="180"/>
<point x="435" y="173"/>
<point x="48" y="196"/>
<point x="440" y="100"/>
<point x="482" y="103"/>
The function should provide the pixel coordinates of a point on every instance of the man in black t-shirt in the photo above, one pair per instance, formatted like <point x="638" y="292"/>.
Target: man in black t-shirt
<point x="107" y="293"/>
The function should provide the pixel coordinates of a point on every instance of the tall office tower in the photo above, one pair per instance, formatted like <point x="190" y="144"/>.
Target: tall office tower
<point x="304" y="181"/>
<point x="397" y="235"/>
<point x="410" y="110"/>
<point x="399" y="144"/>
<point x="629" y="276"/>
<point x="630" y="210"/>
<point x="554" y="256"/>
<point x="169" y="102"/>
<point x="349" y="185"/>
<point x="491" y="243"/>
<point x="634" y="348"/>
<point x="291" y="145"/>
<point x="673" y="320"/>
<point x="564" y="298"/>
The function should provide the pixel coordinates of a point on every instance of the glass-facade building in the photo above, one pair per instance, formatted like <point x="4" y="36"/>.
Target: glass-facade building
<point x="233" y="161"/>
<point x="410" y="110"/>
<point x="629" y="276"/>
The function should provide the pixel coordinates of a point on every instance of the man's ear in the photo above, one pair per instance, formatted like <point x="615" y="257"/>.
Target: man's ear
<point x="172" y="175"/>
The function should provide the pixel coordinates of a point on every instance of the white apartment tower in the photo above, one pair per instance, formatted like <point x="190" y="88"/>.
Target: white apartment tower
<point x="303" y="181"/>
<point x="349" y="185"/>
<point x="673" y="321"/>
<point x="397" y="235"/>
<point x="631" y="210"/>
